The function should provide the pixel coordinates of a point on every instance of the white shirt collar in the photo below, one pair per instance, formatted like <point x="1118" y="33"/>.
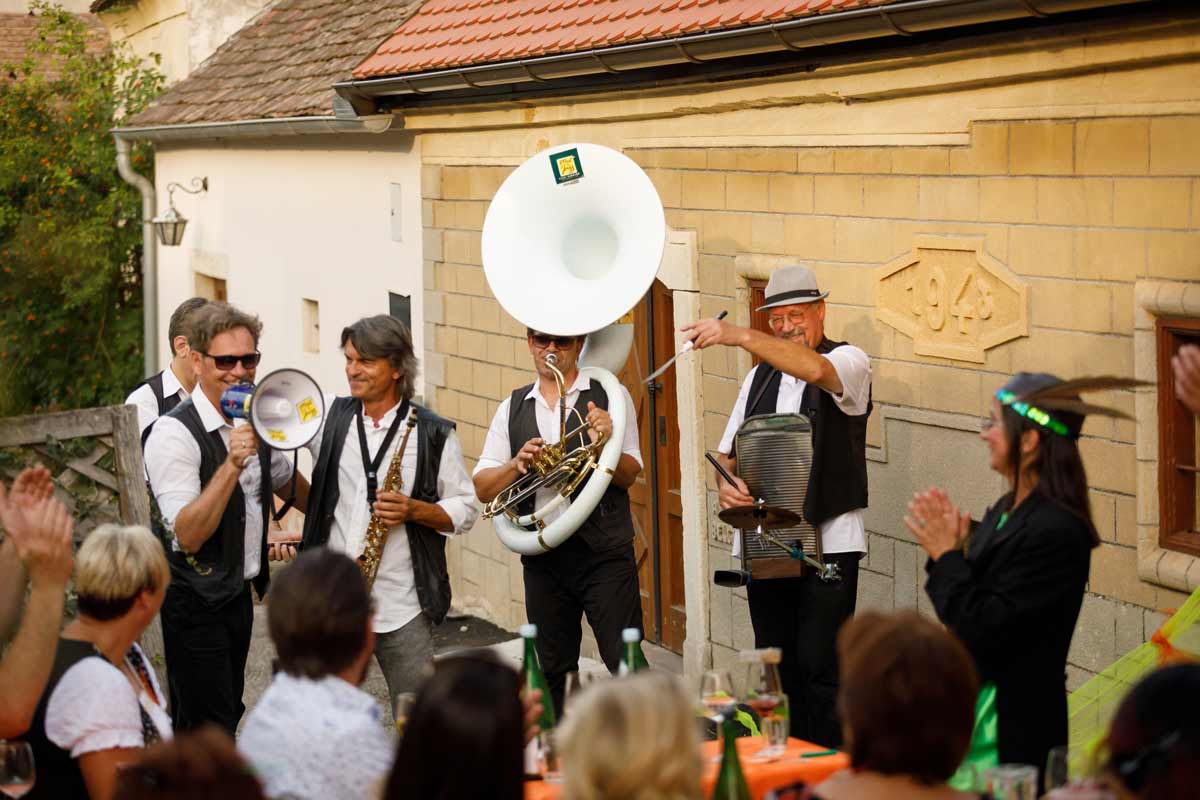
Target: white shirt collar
<point x="581" y="382"/>
<point x="171" y="382"/>
<point x="385" y="421"/>
<point x="209" y="415"/>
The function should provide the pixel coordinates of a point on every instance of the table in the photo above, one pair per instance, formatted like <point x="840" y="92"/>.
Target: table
<point x="761" y="777"/>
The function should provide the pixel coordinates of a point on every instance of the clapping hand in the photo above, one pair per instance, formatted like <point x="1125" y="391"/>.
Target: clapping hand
<point x="938" y="526"/>
<point x="40" y="528"/>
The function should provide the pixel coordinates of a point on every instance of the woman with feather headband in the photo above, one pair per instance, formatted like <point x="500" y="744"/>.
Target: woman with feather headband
<point x="1013" y="589"/>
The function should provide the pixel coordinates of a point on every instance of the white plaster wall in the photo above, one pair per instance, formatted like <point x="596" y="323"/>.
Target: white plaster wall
<point x="211" y="22"/>
<point x="306" y="218"/>
<point x="154" y="27"/>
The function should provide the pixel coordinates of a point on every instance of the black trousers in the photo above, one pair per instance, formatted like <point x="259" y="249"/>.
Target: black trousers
<point x="206" y="651"/>
<point x="571" y="581"/>
<point x="801" y="616"/>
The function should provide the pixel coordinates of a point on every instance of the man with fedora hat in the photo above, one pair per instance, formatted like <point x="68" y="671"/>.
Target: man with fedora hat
<point x="803" y="372"/>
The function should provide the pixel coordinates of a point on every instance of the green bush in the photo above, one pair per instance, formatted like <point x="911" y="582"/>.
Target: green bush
<point x="70" y="233"/>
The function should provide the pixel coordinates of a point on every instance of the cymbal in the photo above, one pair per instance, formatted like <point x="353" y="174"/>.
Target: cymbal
<point x="750" y="517"/>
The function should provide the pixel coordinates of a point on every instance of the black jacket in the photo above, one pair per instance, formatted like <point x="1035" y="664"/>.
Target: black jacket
<point x="1013" y="599"/>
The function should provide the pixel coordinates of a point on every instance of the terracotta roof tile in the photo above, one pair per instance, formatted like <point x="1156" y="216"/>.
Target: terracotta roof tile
<point x="16" y="31"/>
<point x="283" y="63"/>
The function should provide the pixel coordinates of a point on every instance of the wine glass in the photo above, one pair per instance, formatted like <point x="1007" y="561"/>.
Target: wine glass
<point x="764" y="693"/>
<point x="717" y="694"/>
<point x="16" y="768"/>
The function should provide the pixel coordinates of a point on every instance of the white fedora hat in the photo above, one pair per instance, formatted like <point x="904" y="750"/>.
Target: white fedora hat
<point x="788" y="286"/>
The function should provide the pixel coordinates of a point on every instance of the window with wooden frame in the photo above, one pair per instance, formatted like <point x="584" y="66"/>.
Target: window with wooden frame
<point x="1178" y="444"/>
<point x="758" y="319"/>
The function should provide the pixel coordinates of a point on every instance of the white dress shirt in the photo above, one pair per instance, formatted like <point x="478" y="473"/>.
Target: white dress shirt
<point x="173" y="464"/>
<point x="321" y="739"/>
<point x="845" y="533"/>
<point x="394" y="592"/>
<point x="147" y="404"/>
<point x="497" y="449"/>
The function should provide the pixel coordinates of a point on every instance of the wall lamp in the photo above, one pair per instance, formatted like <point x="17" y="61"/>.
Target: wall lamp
<point x="170" y="224"/>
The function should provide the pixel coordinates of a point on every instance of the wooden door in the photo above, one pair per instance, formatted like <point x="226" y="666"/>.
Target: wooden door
<point x="655" y="496"/>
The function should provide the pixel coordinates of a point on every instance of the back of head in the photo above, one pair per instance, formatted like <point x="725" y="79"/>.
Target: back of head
<point x="907" y="695"/>
<point x="317" y="613"/>
<point x="631" y="739"/>
<point x="115" y="564"/>
<point x="199" y="765"/>
<point x="180" y="322"/>
<point x="464" y="736"/>
<point x="1154" y="741"/>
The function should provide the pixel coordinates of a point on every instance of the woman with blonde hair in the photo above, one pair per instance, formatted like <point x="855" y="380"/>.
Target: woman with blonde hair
<point x="631" y="739"/>
<point x="103" y="703"/>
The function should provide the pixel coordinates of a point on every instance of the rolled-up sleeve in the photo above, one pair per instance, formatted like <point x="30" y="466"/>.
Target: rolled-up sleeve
<point x="853" y="367"/>
<point x="173" y="466"/>
<point x="496" y="448"/>
<point x="455" y="489"/>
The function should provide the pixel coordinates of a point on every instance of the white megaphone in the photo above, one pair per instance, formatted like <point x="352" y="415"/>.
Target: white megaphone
<point x="286" y="408"/>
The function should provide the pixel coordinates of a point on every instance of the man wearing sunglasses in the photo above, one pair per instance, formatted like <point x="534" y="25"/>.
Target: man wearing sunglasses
<point x="804" y="372"/>
<point x="212" y="485"/>
<point x="594" y="571"/>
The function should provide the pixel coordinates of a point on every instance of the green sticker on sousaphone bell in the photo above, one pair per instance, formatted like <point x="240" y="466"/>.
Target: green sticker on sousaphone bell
<point x="566" y="165"/>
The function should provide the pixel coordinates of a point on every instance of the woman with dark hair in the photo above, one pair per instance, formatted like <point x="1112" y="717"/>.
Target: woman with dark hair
<point x="199" y="765"/>
<point x="1013" y="589"/>
<point x="464" y="736"/>
<point x="1154" y="741"/>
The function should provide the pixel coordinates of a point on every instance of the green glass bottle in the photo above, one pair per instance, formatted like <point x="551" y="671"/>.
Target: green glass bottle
<point x="531" y="673"/>
<point x="731" y="782"/>
<point x="632" y="657"/>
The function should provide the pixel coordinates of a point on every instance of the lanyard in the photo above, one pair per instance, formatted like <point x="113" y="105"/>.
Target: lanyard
<point x="371" y="466"/>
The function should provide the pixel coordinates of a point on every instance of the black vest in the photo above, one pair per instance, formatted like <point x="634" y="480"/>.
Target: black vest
<point x="427" y="546"/>
<point x="165" y="404"/>
<point x="837" y="482"/>
<point x="222" y="557"/>
<point x="58" y="774"/>
<point x="610" y="524"/>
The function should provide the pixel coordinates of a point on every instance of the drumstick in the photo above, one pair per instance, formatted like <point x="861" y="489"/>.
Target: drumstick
<point x="686" y="347"/>
<point x="724" y="474"/>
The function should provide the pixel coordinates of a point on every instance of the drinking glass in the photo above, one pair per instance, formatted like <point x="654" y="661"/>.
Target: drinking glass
<point x="717" y="694"/>
<point x="764" y="693"/>
<point x="1057" y="769"/>
<point x="16" y="768"/>
<point x="548" y="756"/>
<point x="1013" y="782"/>
<point x="401" y="708"/>
<point x="577" y="682"/>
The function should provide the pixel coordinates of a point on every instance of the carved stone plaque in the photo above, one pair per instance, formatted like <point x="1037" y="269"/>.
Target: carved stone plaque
<point x="952" y="298"/>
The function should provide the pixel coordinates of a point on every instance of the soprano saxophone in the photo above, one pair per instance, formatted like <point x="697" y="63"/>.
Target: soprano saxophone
<point x="377" y="529"/>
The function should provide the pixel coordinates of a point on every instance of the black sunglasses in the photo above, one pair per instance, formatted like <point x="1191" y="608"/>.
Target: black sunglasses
<point x="562" y="342"/>
<point x="249" y="360"/>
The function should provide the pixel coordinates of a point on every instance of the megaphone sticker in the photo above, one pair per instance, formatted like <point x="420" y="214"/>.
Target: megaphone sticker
<point x="567" y="166"/>
<point x="308" y="409"/>
<point x="276" y="436"/>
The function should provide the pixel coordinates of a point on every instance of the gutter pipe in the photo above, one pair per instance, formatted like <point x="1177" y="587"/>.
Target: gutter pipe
<point x="149" y="254"/>
<point x="903" y="18"/>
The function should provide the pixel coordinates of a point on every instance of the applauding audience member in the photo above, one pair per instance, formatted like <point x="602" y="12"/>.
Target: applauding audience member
<point x="464" y="736"/>
<point x="907" y="700"/>
<point x="103" y="702"/>
<point x="1154" y="741"/>
<point x="315" y="734"/>
<point x="200" y="765"/>
<point x="35" y="551"/>
<point x="632" y="739"/>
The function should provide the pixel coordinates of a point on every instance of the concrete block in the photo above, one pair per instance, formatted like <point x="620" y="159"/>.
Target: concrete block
<point x="458" y="374"/>
<point x="1114" y="574"/>
<point x="1122" y="309"/>
<point x="743" y="629"/>
<point x="703" y="190"/>
<point x="949" y="198"/>
<point x="473" y="344"/>
<point x="483" y="182"/>
<point x="921" y="161"/>
<point x="1152" y="620"/>
<point x="987" y="153"/>
<point x="473" y="409"/>
<point x="434" y="369"/>
<point x="1104" y="514"/>
<point x="838" y="194"/>
<point x="1048" y="252"/>
<point x="485" y="314"/>
<point x="720" y="616"/>
<point x="1112" y="146"/>
<point x="746" y="191"/>
<point x="1074" y="201"/>
<point x="1008" y="199"/>
<point x="463" y="247"/>
<point x="1152" y="202"/>
<point x="765" y="159"/>
<point x="896" y="382"/>
<point x="1130" y="630"/>
<point x="456" y="183"/>
<point x="1077" y="677"/>
<point x="1041" y="147"/>
<point x="1175" y="256"/>
<point x="1094" y="646"/>
<point x="862" y="160"/>
<point x="791" y="194"/>
<point x="767" y="233"/>
<point x="810" y="238"/>
<point x="472" y="281"/>
<point x="719" y="394"/>
<point x="717" y="276"/>
<point x="725" y="658"/>
<point x="875" y="592"/>
<point x="1110" y="465"/>
<point x="437" y="214"/>
<point x="679" y="158"/>
<point x="1173" y="148"/>
<point x="909" y="576"/>
<point x="863" y="240"/>
<point x="484" y="378"/>
<point x="949" y="389"/>
<point x="1195" y="203"/>
<point x="431" y="181"/>
<point x="669" y="184"/>
<point x="890" y="196"/>
<point x="1112" y="255"/>
<point x="457" y="310"/>
<point x="724" y="233"/>
<point x="472" y="569"/>
<point x="814" y="160"/>
<point x="431" y="244"/>
<point x="1126" y="521"/>
<point x="1071" y="305"/>
<point x="722" y="158"/>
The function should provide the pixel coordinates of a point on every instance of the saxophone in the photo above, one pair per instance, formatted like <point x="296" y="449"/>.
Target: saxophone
<point x="377" y="529"/>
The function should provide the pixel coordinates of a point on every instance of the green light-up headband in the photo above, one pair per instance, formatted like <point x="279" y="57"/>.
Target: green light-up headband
<point x="1033" y="413"/>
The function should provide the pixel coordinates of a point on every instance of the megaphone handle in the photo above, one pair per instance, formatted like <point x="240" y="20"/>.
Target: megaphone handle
<point x="291" y="501"/>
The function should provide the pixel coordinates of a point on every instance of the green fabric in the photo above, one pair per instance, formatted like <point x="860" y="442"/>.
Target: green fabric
<point x="983" y="753"/>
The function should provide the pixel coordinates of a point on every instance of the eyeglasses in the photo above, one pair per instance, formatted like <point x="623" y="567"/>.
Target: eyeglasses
<point x="794" y="319"/>
<point x="542" y="341"/>
<point x="249" y="360"/>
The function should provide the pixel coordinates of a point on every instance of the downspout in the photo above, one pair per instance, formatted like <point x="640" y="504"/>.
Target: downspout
<point x="149" y="254"/>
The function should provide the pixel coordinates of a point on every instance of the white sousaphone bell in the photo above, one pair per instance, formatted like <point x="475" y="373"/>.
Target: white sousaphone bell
<point x="571" y="242"/>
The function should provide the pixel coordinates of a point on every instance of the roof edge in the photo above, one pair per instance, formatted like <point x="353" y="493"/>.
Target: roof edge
<point x="905" y="18"/>
<point x="259" y="128"/>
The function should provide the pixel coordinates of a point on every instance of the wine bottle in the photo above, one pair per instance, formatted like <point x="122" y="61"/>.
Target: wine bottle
<point x="632" y="657"/>
<point x="731" y="781"/>
<point x="531" y="673"/>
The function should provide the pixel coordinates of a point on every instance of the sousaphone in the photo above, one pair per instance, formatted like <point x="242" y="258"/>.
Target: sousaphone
<point x="571" y="242"/>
